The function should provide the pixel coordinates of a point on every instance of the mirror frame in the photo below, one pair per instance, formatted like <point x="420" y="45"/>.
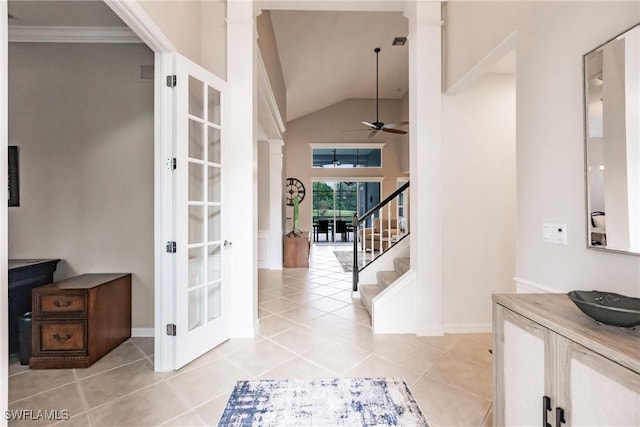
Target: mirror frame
<point x="585" y="103"/>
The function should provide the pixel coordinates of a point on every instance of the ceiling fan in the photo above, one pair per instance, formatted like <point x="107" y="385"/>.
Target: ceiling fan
<point x="377" y="126"/>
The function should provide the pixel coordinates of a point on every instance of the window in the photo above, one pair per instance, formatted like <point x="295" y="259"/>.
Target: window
<point x="347" y="157"/>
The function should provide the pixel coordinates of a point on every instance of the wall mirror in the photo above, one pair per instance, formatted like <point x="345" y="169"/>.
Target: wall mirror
<point x="612" y="143"/>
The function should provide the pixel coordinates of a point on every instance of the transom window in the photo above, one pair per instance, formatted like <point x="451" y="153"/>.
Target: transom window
<point x="346" y="157"/>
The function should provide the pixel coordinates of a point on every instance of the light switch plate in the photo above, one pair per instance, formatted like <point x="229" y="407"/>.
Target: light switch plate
<point x="553" y="232"/>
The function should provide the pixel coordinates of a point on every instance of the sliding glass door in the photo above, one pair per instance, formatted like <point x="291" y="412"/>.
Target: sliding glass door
<point x="334" y="205"/>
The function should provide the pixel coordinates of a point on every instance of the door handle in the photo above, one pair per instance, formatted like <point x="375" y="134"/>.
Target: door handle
<point x="560" y="417"/>
<point x="546" y="407"/>
<point x="227" y="244"/>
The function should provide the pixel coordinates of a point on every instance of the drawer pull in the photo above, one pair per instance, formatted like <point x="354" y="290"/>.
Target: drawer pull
<point x="59" y="304"/>
<point x="59" y="338"/>
<point x="560" y="417"/>
<point x="546" y="407"/>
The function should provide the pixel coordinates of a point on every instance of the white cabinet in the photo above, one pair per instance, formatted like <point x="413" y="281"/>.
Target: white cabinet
<point x="554" y="365"/>
<point x="597" y="391"/>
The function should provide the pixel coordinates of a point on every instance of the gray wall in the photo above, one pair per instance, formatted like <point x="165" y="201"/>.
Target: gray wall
<point x="552" y="37"/>
<point x="83" y="121"/>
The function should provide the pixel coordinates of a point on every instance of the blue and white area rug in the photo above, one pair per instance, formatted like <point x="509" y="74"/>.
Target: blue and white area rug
<point x="322" y="402"/>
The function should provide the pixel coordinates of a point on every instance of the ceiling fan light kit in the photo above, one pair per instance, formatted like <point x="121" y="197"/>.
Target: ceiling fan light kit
<point x="375" y="127"/>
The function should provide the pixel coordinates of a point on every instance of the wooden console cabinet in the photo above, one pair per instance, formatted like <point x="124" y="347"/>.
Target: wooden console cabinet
<point x="79" y="320"/>
<point x="296" y="250"/>
<point x="553" y="365"/>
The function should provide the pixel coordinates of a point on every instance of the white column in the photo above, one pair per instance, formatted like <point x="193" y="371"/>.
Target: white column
<point x="4" y="105"/>
<point x="425" y="153"/>
<point x="240" y="198"/>
<point x="276" y="188"/>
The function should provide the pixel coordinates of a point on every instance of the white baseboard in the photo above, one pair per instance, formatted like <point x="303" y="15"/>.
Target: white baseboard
<point x="142" y="332"/>
<point x="467" y="328"/>
<point x="429" y="332"/>
<point x="524" y="286"/>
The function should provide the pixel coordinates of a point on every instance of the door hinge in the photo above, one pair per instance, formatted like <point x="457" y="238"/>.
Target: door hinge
<point x="171" y="247"/>
<point x="172" y="80"/>
<point x="172" y="164"/>
<point x="171" y="329"/>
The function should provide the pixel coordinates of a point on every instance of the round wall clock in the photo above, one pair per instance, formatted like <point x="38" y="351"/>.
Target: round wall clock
<point x="294" y="188"/>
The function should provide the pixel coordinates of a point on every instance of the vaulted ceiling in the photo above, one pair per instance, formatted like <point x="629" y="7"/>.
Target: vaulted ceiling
<point x="327" y="57"/>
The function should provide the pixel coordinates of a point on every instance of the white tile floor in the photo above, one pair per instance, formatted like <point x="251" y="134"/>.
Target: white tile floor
<point x="310" y="327"/>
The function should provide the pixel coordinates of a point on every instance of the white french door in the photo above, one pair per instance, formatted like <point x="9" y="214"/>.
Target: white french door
<point x="201" y="297"/>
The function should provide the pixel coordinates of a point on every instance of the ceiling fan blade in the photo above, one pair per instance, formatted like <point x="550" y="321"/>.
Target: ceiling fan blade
<point x="372" y="134"/>
<point x="371" y="125"/>
<point x="395" y="125"/>
<point x="400" y="131"/>
<point x="356" y="130"/>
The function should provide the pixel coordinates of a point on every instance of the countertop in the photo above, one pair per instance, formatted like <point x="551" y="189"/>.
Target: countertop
<point x="559" y="314"/>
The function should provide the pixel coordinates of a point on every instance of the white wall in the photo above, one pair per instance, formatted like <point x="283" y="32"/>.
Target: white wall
<point x="83" y="121"/>
<point x="196" y="28"/>
<point x="403" y="143"/>
<point x="479" y="200"/>
<point x="327" y="126"/>
<point x="551" y="39"/>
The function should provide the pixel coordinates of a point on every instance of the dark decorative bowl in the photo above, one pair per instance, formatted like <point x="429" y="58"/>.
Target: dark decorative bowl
<point x="608" y="308"/>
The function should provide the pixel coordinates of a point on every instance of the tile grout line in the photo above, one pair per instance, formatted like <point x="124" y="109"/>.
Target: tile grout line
<point x="41" y="392"/>
<point x="83" y="399"/>
<point x="182" y="399"/>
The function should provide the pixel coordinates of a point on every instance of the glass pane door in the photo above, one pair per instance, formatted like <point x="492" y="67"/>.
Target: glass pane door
<point x="204" y="204"/>
<point x="200" y="309"/>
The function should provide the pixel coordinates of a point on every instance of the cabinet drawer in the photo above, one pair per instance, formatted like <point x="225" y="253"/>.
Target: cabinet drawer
<point x="52" y="303"/>
<point x="60" y="336"/>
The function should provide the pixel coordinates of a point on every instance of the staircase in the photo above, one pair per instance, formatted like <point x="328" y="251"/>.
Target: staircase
<point x="382" y="277"/>
<point x="385" y="279"/>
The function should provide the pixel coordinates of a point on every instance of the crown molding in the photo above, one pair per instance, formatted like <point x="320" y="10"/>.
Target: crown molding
<point x="46" y="34"/>
<point x="139" y="21"/>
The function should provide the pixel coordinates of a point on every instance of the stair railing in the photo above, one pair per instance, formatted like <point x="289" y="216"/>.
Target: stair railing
<point x="378" y="229"/>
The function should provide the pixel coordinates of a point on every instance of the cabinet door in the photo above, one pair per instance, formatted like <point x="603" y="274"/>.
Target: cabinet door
<point x="595" y="391"/>
<point x="523" y="369"/>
